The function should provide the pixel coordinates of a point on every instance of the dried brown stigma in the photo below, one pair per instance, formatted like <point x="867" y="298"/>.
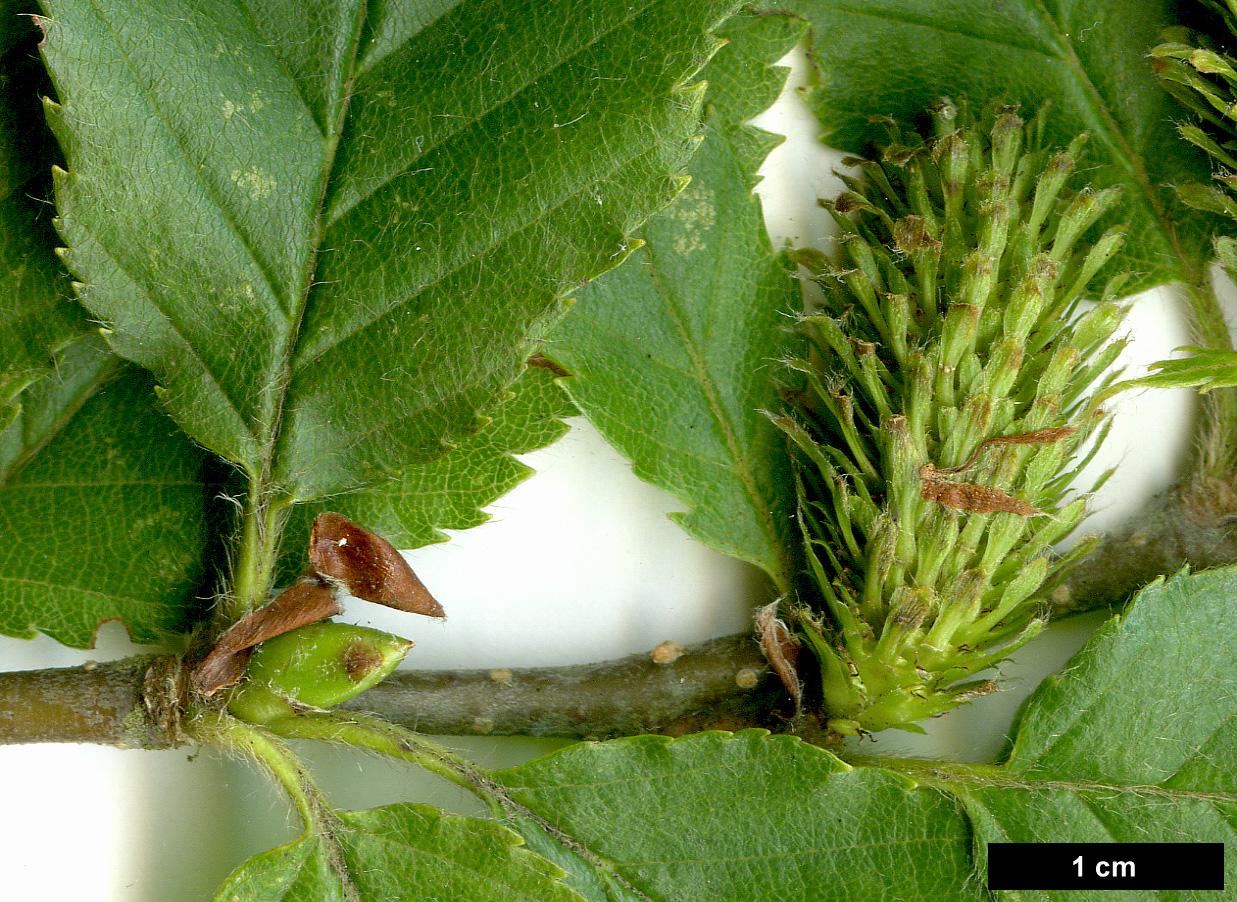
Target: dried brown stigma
<point x="971" y="499"/>
<point x="1037" y="437"/>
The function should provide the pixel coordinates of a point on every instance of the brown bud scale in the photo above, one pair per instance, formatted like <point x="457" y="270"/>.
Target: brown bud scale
<point x="367" y="565"/>
<point x="306" y="601"/>
<point x="1037" y="437"/>
<point x="780" y="648"/>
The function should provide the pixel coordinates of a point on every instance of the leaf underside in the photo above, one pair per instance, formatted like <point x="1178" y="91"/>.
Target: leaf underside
<point x="1133" y="742"/>
<point x="396" y="853"/>
<point x="334" y="237"/>
<point x="898" y="57"/>
<point x="108" y="521"/>
<point x="673" y="355"/>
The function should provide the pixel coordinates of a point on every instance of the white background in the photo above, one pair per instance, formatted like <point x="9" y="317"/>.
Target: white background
<point x="579" y="564"/>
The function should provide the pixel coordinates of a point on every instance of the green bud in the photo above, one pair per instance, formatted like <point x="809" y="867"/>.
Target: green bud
<point x="873" y="376"/>
<point x="1063" y="364"/>
<point x="1098" y="326"/>
<point x="1211" y="63"/>
<point x="1003" y="364"/>
<point x="972" y="379"/>
<point x="979" y="275"/>
<point x="919" y="404"/>
<point x="1101" y="252"/>
<point x="1048" y="187"/>
<point x="1019" y="589"/>
<point x="899" y="326"/>
<point x="996" y="217"/>
<point x="1006" y="143"/>
<point x="1226" y="252"/>
<point x="1079" y="216"/>
<point x="936" y="540"/>
<point x="315" y="666"/>
<point x="960" y="605"/>
<point x="809" y="258"/>
<point x="971" y="427"/>
<point x="883" y="554"/>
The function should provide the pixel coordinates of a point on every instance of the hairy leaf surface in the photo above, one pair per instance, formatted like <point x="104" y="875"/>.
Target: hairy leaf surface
<point x="1136" y="740"/>
<point x="397" y="853"/>
<point x="897" y="57"/>
<point x="333" y="231"/>
<point x="673" y="355"/>
<point x="1133" y="742"/>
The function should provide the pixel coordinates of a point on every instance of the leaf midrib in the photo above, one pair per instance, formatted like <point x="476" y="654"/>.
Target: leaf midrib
<point x="929" y="25"/>
<point x="743" y="465"/>
<point x="961" y="779"/>
<point x="480" y="250"/>
<point x="634" y="12"/>
<point x="704" y="379"/>
<point x="296" y="333"/>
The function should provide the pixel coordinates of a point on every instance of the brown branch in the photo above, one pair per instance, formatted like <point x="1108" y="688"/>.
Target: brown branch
<point x="113" y="703"/>
<point x="1194" y="524"/>
<point x="721" y="684"/>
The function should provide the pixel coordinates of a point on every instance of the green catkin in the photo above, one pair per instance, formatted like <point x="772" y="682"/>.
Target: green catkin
<point x="941" y="411"/>
<point x="1196" y="70"/>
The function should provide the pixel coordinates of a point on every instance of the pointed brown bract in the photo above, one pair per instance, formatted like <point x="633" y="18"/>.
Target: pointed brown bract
<point x="308" y="600"/>
<point x="367" y="565"/>
<point x="343" y="555"/>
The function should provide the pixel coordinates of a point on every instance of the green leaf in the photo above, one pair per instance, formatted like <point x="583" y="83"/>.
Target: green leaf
<point x="333" y="231"/>
<point x="1087" y="59"/>
<point x="753" y="817"/>
<point x="1152" y="697"/>
<point x="50" y="404"/>
<point x="102" y="510"/>
<point x="38" y="315"/>
<point x="587" y="875"/>
<point x="399" y="852"/>
<point x="1135" y="741"/>
<point x="451" y="491"/>
<point x="673" y="354"/>
<point x="1204" y="369"/>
